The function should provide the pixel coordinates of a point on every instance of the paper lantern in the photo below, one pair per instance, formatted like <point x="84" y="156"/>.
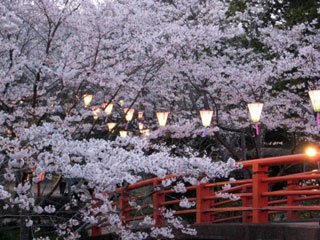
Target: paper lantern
<point x="96" y="111"/>
<point x="315" y="100"/>
<point x="129" y="114"/>
<point x="162" y="118"/>
<point x="111" y="126"/>
<point x="108" y="108"/>
<point x="140" y="115"/>
<point x="206" y="116"/>
<point x="123" y="133"/>
<point x="87" y="98"/>
<point x="255" y="110"/>
<point x="140" y="125"/>
<point x="145" y="132"/>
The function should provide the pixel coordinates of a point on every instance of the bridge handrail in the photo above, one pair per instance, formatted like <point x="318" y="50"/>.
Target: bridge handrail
<point x="254" y="194"/>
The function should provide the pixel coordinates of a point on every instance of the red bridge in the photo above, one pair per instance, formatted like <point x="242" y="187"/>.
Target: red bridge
<point x="297" y="201"/>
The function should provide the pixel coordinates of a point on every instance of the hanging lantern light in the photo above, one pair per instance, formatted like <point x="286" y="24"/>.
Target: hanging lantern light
<point x="255" y="110"/>
<point x="206" y="116"/>
<point x="96" y="111"/>
<point x="315" y="100"/>
<point x="145" y="132"/>
<point x="123" y="133"/>
<point x="111" y="126"/>
<point x="162" y="118"/>
<point x="108" y="110"/>
<point x="87" y="98"/>
<point x="140" y="125"/>
<point x="129" y="115"/>
<point x="140" y="115"/>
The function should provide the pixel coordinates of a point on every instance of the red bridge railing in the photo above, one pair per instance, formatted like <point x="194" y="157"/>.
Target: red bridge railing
<point x="256" y="203"/>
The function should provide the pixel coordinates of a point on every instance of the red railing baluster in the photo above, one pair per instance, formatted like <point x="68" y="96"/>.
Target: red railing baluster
<point x="123" y="205"/>
<point x="96" y="231"/>
<point x="292" y="215"/>
<point x="246" y="202"/>
<point x="158" y="198"/>
<point x="202" y="205"/>
<point x="258" y="187"/>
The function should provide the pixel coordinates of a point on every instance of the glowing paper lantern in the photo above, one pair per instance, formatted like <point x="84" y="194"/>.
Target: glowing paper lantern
<point x="206" y="116"/>
<point x="162" y="118"/>
<point x="315" y="100"/>
<point x="108" y="110"/>
<point x="87" y="98"/>
<point x="140" y="125"/>
<point x="145" y="132"/>
<point x="255" y="110"/>
<point x="111" y="126"/>
<point x="123" y="133"/>
<point x="140" y="115"/>
<point x="129" y="115"/>
<point x="96" y="112"/>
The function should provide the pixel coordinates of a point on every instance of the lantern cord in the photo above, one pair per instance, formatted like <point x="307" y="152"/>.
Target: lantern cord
<point x="127" y="125"/>
<point x="106" y="119"/>
<point x="318" y="119"/>
<point x="257" y="128"/>
<point x="204" y="132"/>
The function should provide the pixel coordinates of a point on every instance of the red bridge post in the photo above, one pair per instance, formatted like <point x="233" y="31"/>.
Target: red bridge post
<point x="202" y="205"/>
<point x="96" y="231"/>
<point x="158" y="198"/>
<point x="258" y="200"/>
<point x="292" y="215"/>
<point x="246" y="202"/>
<point x="123" y="204"/>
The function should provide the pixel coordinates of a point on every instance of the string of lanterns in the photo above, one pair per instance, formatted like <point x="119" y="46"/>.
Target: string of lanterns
<point x="255" y="110"/>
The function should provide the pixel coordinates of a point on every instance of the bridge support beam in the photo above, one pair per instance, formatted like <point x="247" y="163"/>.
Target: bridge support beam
<point x="258" y="200"/>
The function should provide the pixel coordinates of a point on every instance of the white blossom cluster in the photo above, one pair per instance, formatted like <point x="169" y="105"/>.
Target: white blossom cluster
<point x="179" y="56"/>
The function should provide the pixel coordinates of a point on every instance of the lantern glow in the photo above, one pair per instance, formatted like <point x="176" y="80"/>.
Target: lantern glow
<point x="145" y="132"/>
<point x="96" y="111"/>
<point x="111" y="126"/>
<point x="108" y="108"/>
<point x="140" y="125"/>
<point x="87" y="98"/>
<point x="129" y="113"/>
<point x="140" y="115"/>
<point x="123" y="133"/>
<point x="206" y="116"/>
<point x="162" y="118"/>
<point x="311" y="152"/>
<point x="255" y="110"/>
<point x="315" y="100"/>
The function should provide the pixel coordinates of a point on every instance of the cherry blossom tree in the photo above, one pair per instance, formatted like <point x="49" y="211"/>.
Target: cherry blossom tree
<point x="177" y="56"/>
